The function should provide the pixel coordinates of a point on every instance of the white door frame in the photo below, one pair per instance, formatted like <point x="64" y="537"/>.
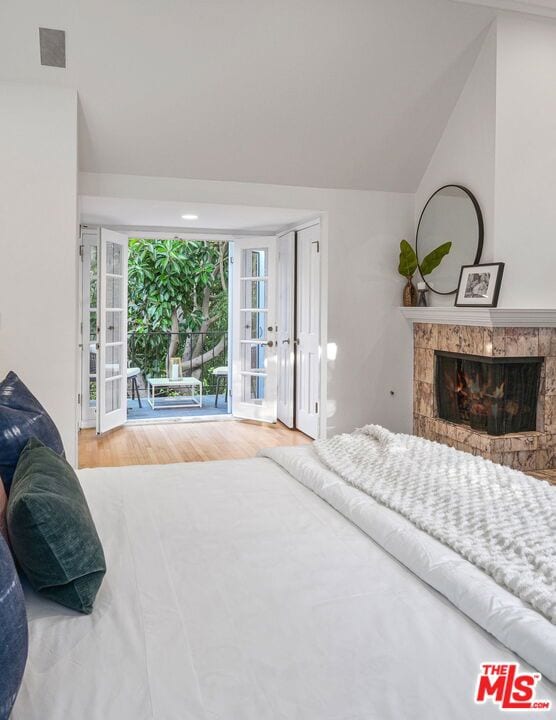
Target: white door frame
<point x="90" y="237"/>
<point x="327" y="352"/>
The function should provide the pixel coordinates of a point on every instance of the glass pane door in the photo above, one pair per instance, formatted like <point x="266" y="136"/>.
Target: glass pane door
<point x="254" y="362"/>
<point x="112" y="353"/>
<point x="90" y="238"/>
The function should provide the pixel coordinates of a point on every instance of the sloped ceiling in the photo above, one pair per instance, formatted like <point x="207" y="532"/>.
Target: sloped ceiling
<point x="323" y="93"/>
<point x="547" y="8"/>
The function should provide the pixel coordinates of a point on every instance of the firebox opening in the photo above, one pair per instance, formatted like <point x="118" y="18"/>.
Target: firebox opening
<point x="495" y="395"/>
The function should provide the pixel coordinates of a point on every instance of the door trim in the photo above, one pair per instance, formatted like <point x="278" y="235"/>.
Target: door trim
<point x="89" y="237"/>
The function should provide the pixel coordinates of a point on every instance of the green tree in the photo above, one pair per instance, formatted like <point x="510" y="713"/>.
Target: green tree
<point x="178" y="287"/>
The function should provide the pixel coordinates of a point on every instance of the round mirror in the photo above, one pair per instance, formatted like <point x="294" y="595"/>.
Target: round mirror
<point x="452" y="214"/>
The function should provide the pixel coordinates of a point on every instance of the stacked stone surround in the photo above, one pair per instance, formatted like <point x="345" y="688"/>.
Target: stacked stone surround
<point x="528" y="451"/>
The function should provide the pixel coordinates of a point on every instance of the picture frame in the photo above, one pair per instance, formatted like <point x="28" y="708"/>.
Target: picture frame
<point x="479" y="285"/>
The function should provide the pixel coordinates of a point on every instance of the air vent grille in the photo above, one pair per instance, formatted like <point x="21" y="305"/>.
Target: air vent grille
<point x="53" y="47"/>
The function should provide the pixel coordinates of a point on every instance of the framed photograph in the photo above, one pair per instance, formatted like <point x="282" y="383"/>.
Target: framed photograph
<point x="479" y="285"/>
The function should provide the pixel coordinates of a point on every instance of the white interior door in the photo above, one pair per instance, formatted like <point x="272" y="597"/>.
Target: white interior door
<point x="112" y="331"/>
<point x="285" y="319"/>
<point x="89" y="317"/>
<point x="307" y="366"/>
<point x="254" y="368"/>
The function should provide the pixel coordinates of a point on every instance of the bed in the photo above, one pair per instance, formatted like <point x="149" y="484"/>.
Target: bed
<point x="251" y="590"/>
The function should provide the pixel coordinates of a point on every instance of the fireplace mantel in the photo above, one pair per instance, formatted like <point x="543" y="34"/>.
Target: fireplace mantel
<point x="484" y="317"/>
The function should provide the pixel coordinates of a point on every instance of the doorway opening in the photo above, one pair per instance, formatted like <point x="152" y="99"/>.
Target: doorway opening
<point x="177" y="328"/>
<point x="182" y="326"/>
<point x="174" y="331"/>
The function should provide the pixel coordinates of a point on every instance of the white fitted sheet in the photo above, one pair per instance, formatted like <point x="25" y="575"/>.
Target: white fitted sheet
<point x="234" y="592"/>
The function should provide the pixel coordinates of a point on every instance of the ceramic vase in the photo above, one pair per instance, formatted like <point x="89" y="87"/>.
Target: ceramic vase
<point x="409" y="294"/>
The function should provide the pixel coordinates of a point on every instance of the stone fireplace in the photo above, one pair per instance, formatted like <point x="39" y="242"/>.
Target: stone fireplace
<point x="490" y="391"/>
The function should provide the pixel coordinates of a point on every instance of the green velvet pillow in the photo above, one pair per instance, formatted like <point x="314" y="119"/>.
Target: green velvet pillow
<point x="51" y="530"/>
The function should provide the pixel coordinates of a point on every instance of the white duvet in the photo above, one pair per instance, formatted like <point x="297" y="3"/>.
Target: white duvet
<point x="499" y="519"/>
<point x="234" y="592"/>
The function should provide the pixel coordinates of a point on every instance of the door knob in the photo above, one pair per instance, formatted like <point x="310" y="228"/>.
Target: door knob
<point x="269" y="343"/>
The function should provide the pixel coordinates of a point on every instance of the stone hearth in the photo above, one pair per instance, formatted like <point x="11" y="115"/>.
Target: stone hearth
<point x="533" y="451"/>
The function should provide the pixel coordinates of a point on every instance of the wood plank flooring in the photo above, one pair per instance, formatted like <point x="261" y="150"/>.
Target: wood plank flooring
<point x="182" y="442"/>
<point x="549" y="475"/>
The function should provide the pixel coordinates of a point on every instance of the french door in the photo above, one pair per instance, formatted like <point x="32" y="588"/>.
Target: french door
<point x="89" y="322"/>
<point x="112" y="331"/>
<point x="307" y="362"/>
<point x="254" y="364"/>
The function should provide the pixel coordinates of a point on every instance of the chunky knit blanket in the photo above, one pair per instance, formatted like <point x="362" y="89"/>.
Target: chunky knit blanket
<point x="500" y="519"/>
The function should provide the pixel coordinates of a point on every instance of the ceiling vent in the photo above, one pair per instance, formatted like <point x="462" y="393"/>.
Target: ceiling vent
<point x="53" y="47"/>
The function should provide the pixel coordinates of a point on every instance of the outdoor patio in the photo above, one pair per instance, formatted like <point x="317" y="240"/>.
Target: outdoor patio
<point x="201" y="354"/>
<point x="165" y="408"/>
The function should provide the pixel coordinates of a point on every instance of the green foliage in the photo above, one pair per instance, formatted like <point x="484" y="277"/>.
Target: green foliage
<point x="167" y="279"/>
<point x="176" y="288"/>
<point x="434" y="258"/>
<point x="408" y="260"/>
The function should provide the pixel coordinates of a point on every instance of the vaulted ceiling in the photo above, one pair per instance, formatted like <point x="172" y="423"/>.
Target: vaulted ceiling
<point x="323" y="93"/>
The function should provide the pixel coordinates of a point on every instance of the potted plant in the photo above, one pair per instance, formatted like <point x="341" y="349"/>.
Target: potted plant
<point x="408" y="264"/>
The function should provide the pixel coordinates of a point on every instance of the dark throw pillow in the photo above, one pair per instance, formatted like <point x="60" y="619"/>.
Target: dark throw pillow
<point x="22" y="417"/>
<point x="51" y="530"/>
<point x="13" y="632"/>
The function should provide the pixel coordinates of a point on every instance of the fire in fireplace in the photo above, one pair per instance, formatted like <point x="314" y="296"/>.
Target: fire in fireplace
<point x="496" y="395"/>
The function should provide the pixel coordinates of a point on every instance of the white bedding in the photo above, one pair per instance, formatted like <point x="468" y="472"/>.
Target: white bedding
<point x="501" y="520"/>
<point x="234" y="592"/>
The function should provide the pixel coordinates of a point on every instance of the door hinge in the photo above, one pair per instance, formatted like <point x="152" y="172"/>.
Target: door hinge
<point x="81" y="251"/>
<point x="317" y="243"/>
<point x="79" y="399"/>
<point x="316" y="408"/>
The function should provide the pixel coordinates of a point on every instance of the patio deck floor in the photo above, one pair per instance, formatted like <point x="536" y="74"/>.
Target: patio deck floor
<point x="165" y="408"/>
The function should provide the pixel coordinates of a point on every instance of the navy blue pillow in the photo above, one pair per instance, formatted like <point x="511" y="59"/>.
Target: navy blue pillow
<point x="21" y="418"/>
<point x="13" y="632"/>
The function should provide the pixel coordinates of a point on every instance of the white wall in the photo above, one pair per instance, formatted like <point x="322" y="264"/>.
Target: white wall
<point x="38" y="222"/>
<point x="465" y="154"/>
<point x="526" y="161"/>
<point x="501" y="142"/>
<point x="361" y="234"/>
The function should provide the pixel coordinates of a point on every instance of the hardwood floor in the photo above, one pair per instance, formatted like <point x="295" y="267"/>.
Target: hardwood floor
<point x="182" y="442"/>
<point x="549" y="475"/>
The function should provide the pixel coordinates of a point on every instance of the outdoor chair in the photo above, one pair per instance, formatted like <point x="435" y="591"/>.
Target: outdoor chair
<point x="132" y="374"/>
<point x="219" y="373"/>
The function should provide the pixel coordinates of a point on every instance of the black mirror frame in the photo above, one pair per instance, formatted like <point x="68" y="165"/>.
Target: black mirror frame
<point x="480" y="238"/>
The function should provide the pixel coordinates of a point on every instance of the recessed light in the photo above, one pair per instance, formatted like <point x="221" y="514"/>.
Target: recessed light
<point x="189" y="216"/>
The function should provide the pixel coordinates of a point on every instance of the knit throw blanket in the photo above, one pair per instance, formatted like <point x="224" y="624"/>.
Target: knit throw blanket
<point x="501" y="520"/>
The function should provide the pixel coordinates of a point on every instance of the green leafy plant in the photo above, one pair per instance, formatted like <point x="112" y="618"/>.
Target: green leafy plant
<point x="178" y="288"/>
<point x="408" y="259"/>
